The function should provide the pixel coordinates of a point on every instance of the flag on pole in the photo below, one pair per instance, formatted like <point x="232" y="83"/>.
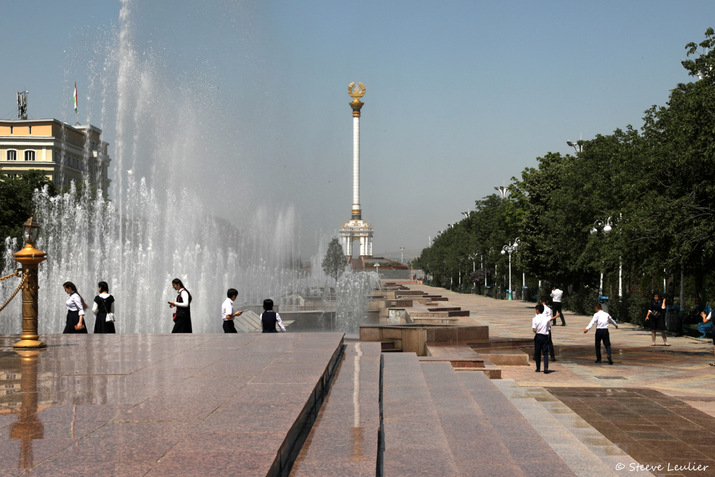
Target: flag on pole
<point x="75" y="96"/>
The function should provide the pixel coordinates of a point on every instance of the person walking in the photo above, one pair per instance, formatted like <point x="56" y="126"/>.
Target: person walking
<point x="227" y="313"/>
<point x="656" y="318"/>
<point x="102" y="308"/>
<point x="75" y="310"/>
<point x="601" y="319"/>
<point x="556" y="296"/>
<point x="540" y="325"/>
<point x="182" y="315"/>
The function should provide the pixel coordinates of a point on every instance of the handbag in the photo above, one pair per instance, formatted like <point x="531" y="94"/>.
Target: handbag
<point x="110" y="314"/>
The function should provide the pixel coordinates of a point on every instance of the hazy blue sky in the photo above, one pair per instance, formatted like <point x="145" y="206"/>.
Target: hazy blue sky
<point x="461" y="95"/>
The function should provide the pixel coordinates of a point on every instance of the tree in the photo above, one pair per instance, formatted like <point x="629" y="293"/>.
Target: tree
<point x="16" y="198"/>
<point x="334" y="262"/>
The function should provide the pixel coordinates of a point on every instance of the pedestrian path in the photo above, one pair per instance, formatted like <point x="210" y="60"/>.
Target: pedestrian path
<point x="651" y="412"/>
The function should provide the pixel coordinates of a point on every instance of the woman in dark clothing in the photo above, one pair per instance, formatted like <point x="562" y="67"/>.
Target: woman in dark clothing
<point x="182" y="315"/>
<point x="103" y="304"/>
<point x="75" y="310"/>
<point x="656" y="318"/>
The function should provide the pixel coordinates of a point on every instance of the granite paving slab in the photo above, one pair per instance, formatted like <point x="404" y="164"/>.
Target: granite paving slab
<point x="159" y="404"/>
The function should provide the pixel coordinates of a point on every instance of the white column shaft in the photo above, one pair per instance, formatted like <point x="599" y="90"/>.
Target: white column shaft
<point x="356" y="163"/>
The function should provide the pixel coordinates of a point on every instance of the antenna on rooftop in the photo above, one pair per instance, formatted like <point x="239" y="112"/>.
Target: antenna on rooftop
<point x="22" y="105"/>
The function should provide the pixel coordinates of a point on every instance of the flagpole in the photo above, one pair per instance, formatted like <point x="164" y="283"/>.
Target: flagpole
<point x="76" y="111"/>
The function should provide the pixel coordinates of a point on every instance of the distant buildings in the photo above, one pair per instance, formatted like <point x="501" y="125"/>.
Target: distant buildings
<point x="64" y="153"/>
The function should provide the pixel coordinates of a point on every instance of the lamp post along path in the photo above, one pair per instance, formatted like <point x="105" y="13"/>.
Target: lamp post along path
<point x="30" y="257"/>
<point x="510" y="248"/>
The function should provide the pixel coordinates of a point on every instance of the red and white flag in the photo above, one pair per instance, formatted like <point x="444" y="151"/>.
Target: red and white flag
<point x="75" y="96"/>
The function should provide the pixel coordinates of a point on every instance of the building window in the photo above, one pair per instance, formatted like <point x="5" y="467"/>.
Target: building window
<point x="29" y="129"/>
<point x="12" y="155"/>
<point x="12" y="129"/>
<point x="29" y="155"/>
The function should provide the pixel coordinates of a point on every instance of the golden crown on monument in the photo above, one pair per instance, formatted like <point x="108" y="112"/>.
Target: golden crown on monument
<point x="356" y="92"/>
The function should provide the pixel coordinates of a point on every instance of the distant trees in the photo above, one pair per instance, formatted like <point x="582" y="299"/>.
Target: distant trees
<point x="656" y="185"/>
<point x="334" y="262"/>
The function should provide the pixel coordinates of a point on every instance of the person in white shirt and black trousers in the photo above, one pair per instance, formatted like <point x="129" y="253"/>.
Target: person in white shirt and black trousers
<point x="601" y="319"/>
<point x="227" y="312"/>
<point x="540" y="325"/>
<point x="556" y="296"/>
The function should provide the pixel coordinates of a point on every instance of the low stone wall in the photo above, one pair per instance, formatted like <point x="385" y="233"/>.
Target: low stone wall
<point x="413" y="338"/>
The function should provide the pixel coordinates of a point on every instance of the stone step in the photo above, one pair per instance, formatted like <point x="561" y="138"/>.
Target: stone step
<point x="532" y="454"/>
<point x="476" y="446"/>
<point x="413" y="445"/>
<point x="344" y="438"/>
<point x="586" y="451"/>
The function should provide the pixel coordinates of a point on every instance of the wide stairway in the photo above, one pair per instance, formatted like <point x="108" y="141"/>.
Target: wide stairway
<point x="391" y="414"/>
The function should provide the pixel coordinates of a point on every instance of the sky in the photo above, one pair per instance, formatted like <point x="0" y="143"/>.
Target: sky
<point x="461" y="96"/>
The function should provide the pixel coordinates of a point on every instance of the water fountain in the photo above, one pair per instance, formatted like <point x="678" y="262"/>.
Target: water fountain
<point x="157" y="226"/>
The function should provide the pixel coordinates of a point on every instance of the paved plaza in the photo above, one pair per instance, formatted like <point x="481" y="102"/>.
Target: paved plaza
<point x="256" y="404"/>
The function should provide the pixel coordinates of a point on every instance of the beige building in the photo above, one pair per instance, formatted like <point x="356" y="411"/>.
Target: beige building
<point x="65" y="153"/>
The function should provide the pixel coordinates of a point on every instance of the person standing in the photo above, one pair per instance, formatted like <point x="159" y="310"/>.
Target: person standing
<point x="75" y="310"/>
<point x="540" y="325"/>
<point x="656" y="318"/>
<point x="547" y="312"/>
<point x="269" y="318"/>
<point x="182" y="315"/>
<point x="556" y="296"/>
<point x="601" y="319"/>
<point x="103" y="305"/>
<point x="227" y="312"/>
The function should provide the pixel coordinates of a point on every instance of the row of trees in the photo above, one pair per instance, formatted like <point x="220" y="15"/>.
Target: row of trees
<point x="654" y="188"/>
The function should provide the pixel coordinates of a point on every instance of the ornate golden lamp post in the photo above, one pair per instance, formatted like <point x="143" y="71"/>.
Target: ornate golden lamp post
<point x="29" y="257"/>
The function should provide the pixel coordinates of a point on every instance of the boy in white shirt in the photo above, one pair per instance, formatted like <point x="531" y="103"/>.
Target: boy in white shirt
<point x="601" y="319"/>
<point x="547" y="312"/>
<point x="540" y="325"/>
<point x="227" y="312"/>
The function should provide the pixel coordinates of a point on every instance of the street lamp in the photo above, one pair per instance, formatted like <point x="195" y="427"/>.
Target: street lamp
<point x="510" y="248"/>
<point x="29" y="257"/>
<point x="606" y="228"/>
<point x="578" y="147"/>
<point x="503" y="191"/>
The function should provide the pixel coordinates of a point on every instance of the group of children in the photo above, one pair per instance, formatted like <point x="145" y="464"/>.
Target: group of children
<point x="269" y="318"/>
<point x="543" y="345"/>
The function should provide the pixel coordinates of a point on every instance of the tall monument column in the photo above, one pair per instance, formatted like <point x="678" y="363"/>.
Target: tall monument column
<point x="356" y="92"/>
<point x="356" y="228"/>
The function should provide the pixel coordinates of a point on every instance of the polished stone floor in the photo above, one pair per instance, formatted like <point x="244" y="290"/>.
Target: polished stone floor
<point x="157" y="404"/>
<point x="663" y="434"/>
<point x="202" y="405"/>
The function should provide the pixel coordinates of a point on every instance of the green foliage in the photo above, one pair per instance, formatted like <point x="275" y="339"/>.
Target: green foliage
<point x="16" y="198"/>
<point x="334" y="262"/>
<point x="654" y="186"/>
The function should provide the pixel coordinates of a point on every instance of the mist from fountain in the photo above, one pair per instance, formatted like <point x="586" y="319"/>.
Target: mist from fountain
<point x="157" y="227"/>
<point x="352" y="295"/>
